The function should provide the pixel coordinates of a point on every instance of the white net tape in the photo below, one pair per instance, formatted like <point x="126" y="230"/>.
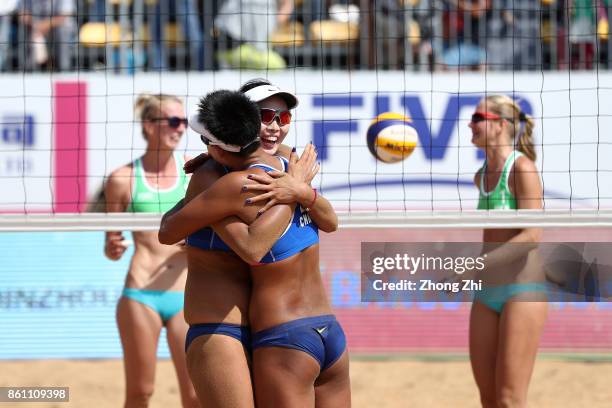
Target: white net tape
<point x="389" y="219"/>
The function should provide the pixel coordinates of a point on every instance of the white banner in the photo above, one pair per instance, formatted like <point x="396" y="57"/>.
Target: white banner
<point x="64" y="129"/>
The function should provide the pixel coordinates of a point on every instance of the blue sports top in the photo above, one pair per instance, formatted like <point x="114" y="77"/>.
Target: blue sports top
<point x="300" y="234"/>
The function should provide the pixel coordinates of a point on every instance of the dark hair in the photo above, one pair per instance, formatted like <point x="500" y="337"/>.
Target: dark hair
<point x="231" y="117"/>
<point x="253" y="83"/>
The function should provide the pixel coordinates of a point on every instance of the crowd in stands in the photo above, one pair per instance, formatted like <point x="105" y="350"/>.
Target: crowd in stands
<point x="148" y="35"/>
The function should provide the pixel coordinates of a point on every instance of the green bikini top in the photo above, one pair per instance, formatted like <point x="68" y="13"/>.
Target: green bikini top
<point x="500" y="198"/>
<point x="149" y="199"/>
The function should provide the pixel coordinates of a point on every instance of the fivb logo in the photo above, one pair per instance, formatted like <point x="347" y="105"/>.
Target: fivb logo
<point x="18" y="130"/>
<point x="434" y="144"/>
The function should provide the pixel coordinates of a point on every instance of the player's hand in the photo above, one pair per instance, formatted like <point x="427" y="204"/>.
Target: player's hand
<point x="115" y="246"/>
<point x="306" y="167"/>
<point x="192" y="165"/>
<point x="285" y="188"/>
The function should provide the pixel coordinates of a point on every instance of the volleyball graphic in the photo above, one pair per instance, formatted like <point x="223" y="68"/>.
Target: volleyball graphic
<point x="391" y="137"/>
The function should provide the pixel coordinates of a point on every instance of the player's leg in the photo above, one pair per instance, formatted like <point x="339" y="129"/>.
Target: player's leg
<point x="284" y="377"/>
<point x="521" y="326"/>
<point x="219" y="369"/>
<point x="176" y="330"/>
<point x="484" y="323"/>
<point x="333" y="387"/>
<point x="139" y="328"/>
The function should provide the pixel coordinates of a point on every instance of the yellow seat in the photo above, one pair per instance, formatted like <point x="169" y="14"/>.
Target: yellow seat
<point x="100" y="34"/>
<point x="546" y="32"/>
<point x="329" y="31"/>
<point x="119" y="2"/>
<point x="173" y="35"/>
<point x="290" y="35"/>
<point x="414" y="33"/>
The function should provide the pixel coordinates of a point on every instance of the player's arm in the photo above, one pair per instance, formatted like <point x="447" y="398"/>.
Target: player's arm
<point x="192" y="164"/>
<point x="322" y="212"/>
<point x="252" y="242"/>
<point x="222" y="199"/>
<point x="249" y="242"/>
<point x="117" y="194"/>
<point x="170" y="212"/>
<point x="294" y="187"/>
<point x="527" y="189"/>
<point x="528" y="192"/>
<point x="198" y="183"/>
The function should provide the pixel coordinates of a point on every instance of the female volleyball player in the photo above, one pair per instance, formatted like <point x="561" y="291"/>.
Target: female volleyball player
<point x="153" y="293"/>
<point x="508" y="315"/>
<point x="299" y="352"/>
<point x="219" y="286"/>
<point x="273" y="132"/>
<point x="218" y="283"/>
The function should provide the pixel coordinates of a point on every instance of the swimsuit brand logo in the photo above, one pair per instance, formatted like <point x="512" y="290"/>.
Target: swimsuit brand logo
<point x="321" y="330"/>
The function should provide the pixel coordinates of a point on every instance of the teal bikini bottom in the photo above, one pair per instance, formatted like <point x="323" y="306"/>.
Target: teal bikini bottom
<point x="495" y="297"/>
<point x="165" y="303"/>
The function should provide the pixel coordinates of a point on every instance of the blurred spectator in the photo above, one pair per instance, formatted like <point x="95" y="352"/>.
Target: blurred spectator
<point x="7" y="8"/>
<point x="390" y="33"/>
<point x="97" y="11"/>
<point x="244" y="29"/>
<point x="464" y="31"/>
<point x="513" y="35"/>
<point x="311" y="10"/>
<point x="588" y="18"/>
<point x="421" y="34"/>
<point x="50" y="32"/>
<point x="186" y="12"/>
<point x="393" y="34"/>
<point x="406" y="28"/>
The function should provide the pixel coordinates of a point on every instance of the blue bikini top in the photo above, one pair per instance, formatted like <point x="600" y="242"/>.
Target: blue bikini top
<point x="300" y="234"/>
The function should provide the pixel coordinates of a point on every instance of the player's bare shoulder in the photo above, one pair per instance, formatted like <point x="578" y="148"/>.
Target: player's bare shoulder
<point x="524" y="177"/>
<point x="121" y="177"/>
<point x="284" y="151"/>
<point x="524" y="164"/>
<point x="117" y="187"/>
<point x="524" y="169"/>
<point x="203" y="177"/>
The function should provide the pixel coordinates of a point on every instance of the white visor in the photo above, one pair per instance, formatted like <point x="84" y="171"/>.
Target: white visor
<point x="198" y="127"/>
<point x="261" y="92"/>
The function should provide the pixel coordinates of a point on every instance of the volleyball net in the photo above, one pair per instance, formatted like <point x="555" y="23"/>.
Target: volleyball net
<point x="66" y="126"/>
<point x="63" y="135"/>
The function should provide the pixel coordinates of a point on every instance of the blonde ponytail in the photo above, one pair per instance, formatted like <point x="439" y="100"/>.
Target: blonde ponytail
<point x="521" y="124"/>
<point x="525" y="143"/>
